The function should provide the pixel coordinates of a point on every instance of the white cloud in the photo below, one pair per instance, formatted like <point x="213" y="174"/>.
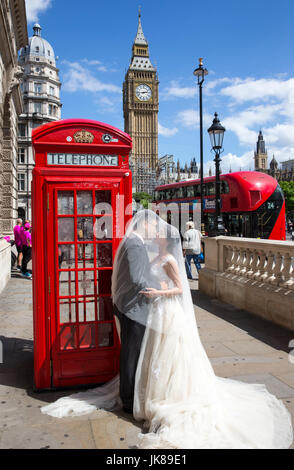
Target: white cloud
<point x="254" y="116"/>
<point x="188" y="118"/>
<point x="78" y="78"/>
<point x="91" y="62"/>
<point x="108" y="105"/>
<point x="97" y="64"/>
<point x="245" y="162"/>
<point x="263" y="89"/>
<point x="210" y="85"/>
<point x="174" y="90"/>
<point x="282" y="134"/>
<point x="249" y="105"/>
<point x="35" y="7"/>
<point x="166" y="132"/>
<point x="232" y="162"/>
<point x="281" y="153"/>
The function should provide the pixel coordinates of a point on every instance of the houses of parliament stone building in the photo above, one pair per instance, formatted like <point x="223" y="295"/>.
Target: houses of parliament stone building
<point x="285" y="173"/>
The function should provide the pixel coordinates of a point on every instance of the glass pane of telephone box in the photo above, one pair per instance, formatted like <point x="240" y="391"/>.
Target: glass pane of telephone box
<point x="68" y="337"/>
<point x="85" y="229"/>
<point x="65" y="202"/>
<point x="86" y="309"/>
<point x="87" y="336"/>
<point x="66" y="256"/>
<point x="67" y="310"/>
<point x="104" y="255"/>
<point x="105" y="335"/>
<point x="104" y="281"/>
<point x="85" y="255"/>
<point x="102" y="202"/>
<point x="86" y="282"/>
<point x="105" y="311"/>
<point x="66" y="232"/>
<point x="103" y="228"/>
<point x="67" y="285"/>
<point x="85" y="202"/>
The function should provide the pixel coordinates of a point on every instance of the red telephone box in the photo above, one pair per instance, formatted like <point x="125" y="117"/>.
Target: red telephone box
<point x="81" y="201"/>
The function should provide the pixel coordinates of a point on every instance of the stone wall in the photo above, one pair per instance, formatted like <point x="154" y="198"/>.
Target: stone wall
<point x="13" y="36"/>
<point x="254" y="275"/>
<point x="5" y="263"/>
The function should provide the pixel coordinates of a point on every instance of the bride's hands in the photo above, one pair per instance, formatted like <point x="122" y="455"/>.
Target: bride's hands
<point x="151" y="292"/>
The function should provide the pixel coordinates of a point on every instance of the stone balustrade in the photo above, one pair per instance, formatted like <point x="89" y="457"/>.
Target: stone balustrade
<point x="256" y="275"/>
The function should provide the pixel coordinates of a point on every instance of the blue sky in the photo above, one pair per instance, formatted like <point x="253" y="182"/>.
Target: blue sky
<point x="247" y="48"/>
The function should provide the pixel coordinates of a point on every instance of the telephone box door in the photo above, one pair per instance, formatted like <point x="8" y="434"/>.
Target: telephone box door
<point x="82" y="242"/>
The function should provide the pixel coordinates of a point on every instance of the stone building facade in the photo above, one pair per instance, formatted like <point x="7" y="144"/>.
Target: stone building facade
<point x="284" y="173"/>
<point x="13" y="36"/>
<point x="40" y="88"/>
<point x="169" y="172"/>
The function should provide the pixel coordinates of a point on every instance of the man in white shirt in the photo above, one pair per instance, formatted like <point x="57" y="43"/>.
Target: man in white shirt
<point x="192" y="248"/>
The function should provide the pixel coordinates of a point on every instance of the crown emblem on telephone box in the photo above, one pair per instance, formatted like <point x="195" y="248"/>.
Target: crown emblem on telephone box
<point x="84" y="137"/>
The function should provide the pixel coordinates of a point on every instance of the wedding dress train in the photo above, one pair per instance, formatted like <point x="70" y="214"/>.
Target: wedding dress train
<point x="185" y="405"/>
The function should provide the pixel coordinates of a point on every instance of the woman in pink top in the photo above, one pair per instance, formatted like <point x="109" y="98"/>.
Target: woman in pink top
<point x="18" y="229"/>
<point x="26" y="250"/>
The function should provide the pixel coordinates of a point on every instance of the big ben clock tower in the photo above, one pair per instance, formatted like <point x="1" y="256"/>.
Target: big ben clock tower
<point x="140" y="105"/>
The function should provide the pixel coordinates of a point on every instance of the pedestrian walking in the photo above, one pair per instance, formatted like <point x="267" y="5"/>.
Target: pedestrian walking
<point x="26" y="250"/>
<point x="18" y="238"/>
<point x="191" y="248"/>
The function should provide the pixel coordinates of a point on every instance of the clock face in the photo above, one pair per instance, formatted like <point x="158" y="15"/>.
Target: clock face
<point x="143" y="92"/>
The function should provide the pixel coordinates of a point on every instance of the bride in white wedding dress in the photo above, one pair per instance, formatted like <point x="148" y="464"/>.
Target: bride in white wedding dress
<point x="182" y="402"/>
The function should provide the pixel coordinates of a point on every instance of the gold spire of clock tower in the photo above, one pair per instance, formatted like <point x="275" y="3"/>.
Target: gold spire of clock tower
<point x="140" y="104"/>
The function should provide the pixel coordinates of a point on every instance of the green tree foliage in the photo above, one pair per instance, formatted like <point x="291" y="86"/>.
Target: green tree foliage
<point x="288" y="190"/>
<point x="145" y="203"/>
<point x="141" y="196"/>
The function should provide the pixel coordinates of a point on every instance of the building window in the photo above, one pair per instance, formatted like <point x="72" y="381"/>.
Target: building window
<point x="48" y="52"/>
<point x="22" y="130"/>
<point x="52" y="110"/>
<point x="37" y="108"/>
<point x="38" y="88"/>
<point x="37" y="49"/>
<point x="21" y="155"/>
<point x="21" y="181"/>
<point x="51" y="90"/>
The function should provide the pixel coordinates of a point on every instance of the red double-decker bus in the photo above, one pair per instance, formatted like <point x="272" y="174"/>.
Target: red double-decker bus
<point x="252" y="203"/>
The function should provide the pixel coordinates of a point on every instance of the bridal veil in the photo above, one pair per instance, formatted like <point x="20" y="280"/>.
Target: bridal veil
<point x="182" y="403"/>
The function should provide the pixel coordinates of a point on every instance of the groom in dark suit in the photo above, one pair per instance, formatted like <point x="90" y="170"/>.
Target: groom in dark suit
<point x="132" y="310"/>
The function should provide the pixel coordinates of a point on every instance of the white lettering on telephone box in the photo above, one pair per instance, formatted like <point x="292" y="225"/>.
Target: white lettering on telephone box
<point x="81" y="159"/>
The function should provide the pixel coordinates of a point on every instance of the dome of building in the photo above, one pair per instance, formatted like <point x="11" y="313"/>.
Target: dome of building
<point x="38" y="47"/>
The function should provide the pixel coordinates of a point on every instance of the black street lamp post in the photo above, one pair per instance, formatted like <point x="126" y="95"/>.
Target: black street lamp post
<point x="200" y="74"/>
<point x="216" y="134"/>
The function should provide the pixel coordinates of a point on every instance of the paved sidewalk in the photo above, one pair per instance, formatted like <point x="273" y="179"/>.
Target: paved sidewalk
<point x="238" y="344"/>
